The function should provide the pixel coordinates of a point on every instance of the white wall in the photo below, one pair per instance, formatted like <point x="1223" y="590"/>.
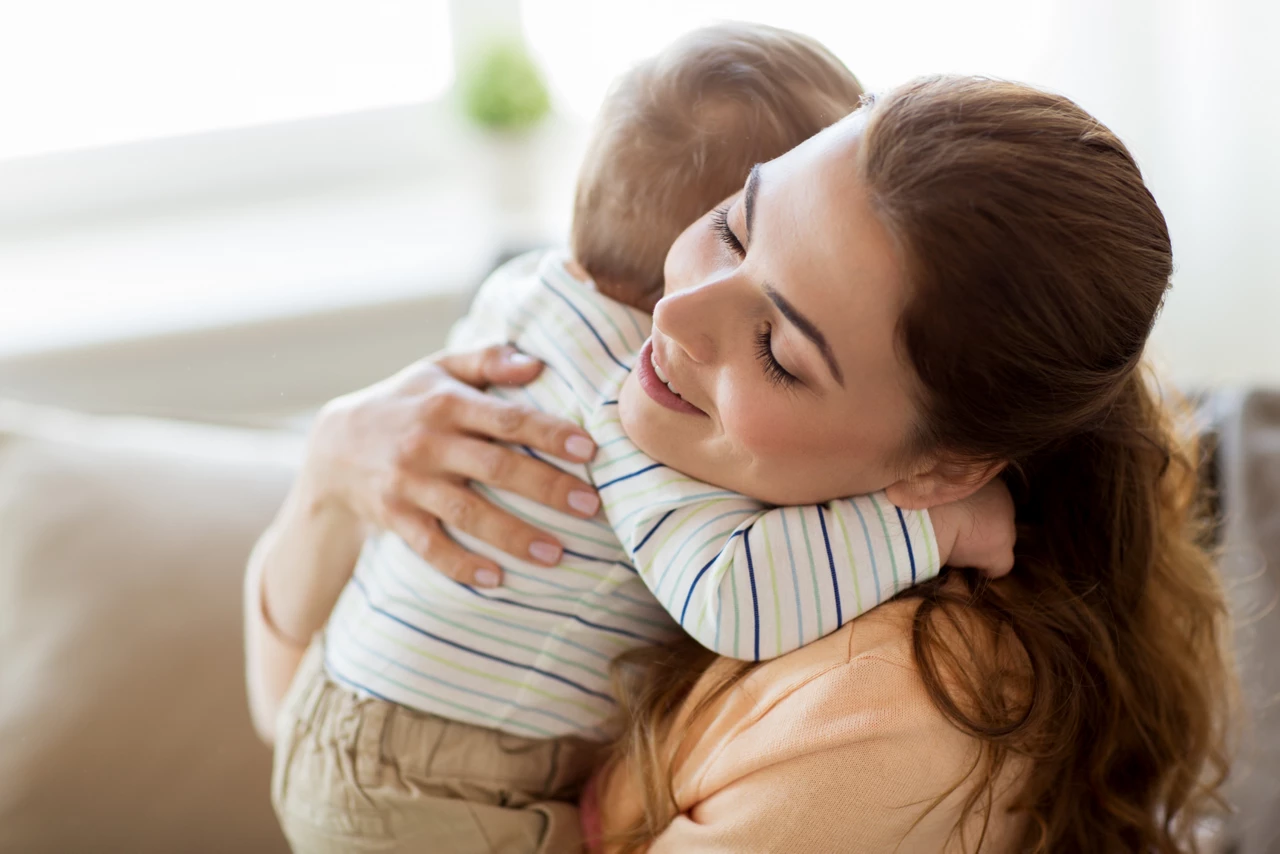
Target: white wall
<point x="308" y="217"/>
<point x="1192" y="86"/>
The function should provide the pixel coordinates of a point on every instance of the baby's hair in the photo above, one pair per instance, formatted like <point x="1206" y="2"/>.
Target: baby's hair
<point x="680" y="132"/>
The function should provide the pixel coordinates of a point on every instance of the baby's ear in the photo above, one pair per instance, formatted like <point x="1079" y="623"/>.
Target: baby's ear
<point x="941" y="483"/>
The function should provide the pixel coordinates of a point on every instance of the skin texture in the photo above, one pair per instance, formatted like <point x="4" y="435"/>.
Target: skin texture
<point x="799" y="267"/>
<point x="813" y="247"/>
<point x="399" y="455"/>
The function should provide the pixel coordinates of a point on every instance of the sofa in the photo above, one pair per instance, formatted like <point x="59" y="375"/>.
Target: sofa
<point x="123" y="720"/>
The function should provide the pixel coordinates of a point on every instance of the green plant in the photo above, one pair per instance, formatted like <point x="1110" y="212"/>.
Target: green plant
<point x="503" y="90"/>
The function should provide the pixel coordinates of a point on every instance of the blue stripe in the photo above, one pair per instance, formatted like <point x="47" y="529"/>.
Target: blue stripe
<point x="351" y="638"/>
<point x="498" y="621"/>
<point x="702" y="571"/>
<point x="476" y="652"/>
<point x="686" y="501"/>
<point x="615" y="440"/>
<point x="610" y="483"/>
<point x="755" y="600"/>
<point x="578" y="312"/>
<point x="866" y="535"/>
<point x="540" y="578"/>
<point x="674" y="559"/>
<point x="567" y="616"/>
<point x="553" y="344"/>
<point x="576" y="594"/>
<point x="608" y="403"/>
<point x="835" y="585"/>
<point x="620" y="563"/>
<point x="333" y="671"/>
<point x="911" y="555"/>
<point x="528" y="346"/>
<point x="795" y="579"/>
<point x="652" y="531"/>
<point x="560" y="465"/>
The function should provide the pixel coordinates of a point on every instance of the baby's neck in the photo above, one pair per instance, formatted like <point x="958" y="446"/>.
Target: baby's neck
<point x="627" y="293"/>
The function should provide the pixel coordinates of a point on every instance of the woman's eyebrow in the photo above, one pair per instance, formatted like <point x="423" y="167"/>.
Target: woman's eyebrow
<point x="749" y="196"/>
<point x="806" y="327"/>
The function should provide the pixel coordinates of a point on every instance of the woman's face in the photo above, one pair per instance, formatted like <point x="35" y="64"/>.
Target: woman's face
<point x="777" y="329"/>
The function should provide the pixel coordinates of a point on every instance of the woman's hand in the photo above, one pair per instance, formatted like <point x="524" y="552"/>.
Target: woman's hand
<point x="398" y="456"/>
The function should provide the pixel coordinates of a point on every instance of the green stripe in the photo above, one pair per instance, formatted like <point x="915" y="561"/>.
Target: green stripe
<point x="550" y="384"/>
<point x="715" y="542"/>
<point x="535" y="326"/>
<point x="579" y="287"/>
<point x="613" y="462"/>
<point x="468" y="711"/>
<point x="471" y="671"/>
<point x="888" y="542"/>
<point x="777" y="595"/>
<point x="585" y="347"/>
<point x="737" y="618"/>
<point x="660" y="549"/>
<point x="470" y="603"/>
<point x="813" y="572"/>
<point x="930" y="546"/>
<point x="853" y="564"/>
<point x="594" y="302"/>
<point x="547" y="526"/>
<point x="435" y="615"/>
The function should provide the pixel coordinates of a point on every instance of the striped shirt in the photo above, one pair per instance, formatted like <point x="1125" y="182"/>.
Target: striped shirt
<point x="665" y="553"/>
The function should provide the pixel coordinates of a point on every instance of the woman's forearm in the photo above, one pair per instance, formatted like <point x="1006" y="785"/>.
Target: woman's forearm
<point x="294" y="577"/>
<point x="391" y="457"/>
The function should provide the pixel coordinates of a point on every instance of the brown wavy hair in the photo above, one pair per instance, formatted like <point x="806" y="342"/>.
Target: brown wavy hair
<point x="1037" y="261"/>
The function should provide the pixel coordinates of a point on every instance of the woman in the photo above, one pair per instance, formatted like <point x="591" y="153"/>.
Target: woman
<point x="989" y="258"/>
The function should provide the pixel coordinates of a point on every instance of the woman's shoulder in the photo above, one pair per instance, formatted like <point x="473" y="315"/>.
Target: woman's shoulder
<point x="847" y="719"/>
<point x="865" y="666"/>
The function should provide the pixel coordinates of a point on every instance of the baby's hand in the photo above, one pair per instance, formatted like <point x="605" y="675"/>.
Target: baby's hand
<point x="977" y="531"/>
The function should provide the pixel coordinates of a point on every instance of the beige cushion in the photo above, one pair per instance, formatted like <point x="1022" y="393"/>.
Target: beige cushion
<point x="123" y="720"/>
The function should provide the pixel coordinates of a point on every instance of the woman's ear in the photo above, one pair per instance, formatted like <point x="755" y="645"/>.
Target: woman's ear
<point x="941" y="483"/>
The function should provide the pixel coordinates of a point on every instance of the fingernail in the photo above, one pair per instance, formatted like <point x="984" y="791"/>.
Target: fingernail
<point x="548" y="553"/>
<point x="580" y="447"/>
<point x="486" y="578"/>
<point x="586" y="503"/>
<point x="517" y="359"/>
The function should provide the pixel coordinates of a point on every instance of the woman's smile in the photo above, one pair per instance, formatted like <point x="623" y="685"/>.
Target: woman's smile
<point x="657" y="384"/>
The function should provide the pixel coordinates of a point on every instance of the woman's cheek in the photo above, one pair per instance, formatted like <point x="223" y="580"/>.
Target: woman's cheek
<point x="759" y="426"/>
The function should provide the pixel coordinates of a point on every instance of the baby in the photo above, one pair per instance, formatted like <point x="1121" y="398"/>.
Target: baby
<point x="502" y="694"/>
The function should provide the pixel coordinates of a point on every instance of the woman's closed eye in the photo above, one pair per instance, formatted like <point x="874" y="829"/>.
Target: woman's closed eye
<point x="720" y="222"/>
<point x="773" y="369"/>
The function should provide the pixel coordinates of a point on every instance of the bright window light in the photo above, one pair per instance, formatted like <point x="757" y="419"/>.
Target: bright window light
<point x="84" y="73"/>
<point x="584" y="44"/>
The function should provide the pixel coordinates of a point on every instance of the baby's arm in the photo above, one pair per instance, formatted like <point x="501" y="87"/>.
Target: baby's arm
<point x="753" y="582"/>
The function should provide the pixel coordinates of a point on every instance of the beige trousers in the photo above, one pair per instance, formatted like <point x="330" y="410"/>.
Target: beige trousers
<point x="362" y="775"/>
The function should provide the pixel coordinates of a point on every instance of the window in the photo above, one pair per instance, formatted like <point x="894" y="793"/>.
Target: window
<point x="86" y="73"/>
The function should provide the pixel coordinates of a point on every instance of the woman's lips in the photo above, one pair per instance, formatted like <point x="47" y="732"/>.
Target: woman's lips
<point x="656" y="388"/>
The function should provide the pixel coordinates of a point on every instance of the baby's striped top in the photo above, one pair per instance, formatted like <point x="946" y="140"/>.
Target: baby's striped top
<point x="747" y="580"/>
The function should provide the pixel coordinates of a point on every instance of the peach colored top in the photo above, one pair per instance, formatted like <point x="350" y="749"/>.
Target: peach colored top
<point x="835" y="747"/>
<point x="832" y="748"/>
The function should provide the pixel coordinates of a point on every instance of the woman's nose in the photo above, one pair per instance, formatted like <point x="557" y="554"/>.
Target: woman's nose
<point x="691" y="319"/>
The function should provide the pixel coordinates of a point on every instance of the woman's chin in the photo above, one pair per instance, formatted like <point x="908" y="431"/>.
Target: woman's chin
<point x="646" y="423"/>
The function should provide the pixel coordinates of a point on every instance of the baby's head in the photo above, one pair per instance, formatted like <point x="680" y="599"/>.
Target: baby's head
<point x="679" y="133"/>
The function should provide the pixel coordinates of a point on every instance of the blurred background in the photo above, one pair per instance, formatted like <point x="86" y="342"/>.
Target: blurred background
<point x="225" y="212"/>
<point x="173" y="167"/>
